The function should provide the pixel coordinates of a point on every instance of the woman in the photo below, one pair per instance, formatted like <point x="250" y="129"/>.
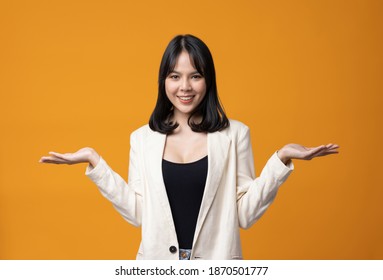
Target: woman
<point x="191" y="173"/>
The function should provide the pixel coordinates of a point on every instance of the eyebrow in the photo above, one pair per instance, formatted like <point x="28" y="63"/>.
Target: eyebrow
<point x="176" y="72"/>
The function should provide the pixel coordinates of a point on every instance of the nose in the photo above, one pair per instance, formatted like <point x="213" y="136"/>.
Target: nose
<point x="185" y="85"/>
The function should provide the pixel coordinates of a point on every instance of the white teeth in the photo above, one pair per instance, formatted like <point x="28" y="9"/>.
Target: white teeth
<point x="186" y="98"/>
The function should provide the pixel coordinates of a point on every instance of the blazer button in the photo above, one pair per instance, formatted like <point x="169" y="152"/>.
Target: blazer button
<point x="172" y="249"/>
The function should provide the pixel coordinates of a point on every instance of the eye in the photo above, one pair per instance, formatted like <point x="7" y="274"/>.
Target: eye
<point x="196" y="76"/>
<point x="173" y="76"/>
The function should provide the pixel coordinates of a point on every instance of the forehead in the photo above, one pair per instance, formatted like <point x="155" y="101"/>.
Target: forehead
<point x="184" y="61"/>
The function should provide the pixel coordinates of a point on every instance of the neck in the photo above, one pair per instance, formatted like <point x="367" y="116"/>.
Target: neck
<point x="182" y="120"/>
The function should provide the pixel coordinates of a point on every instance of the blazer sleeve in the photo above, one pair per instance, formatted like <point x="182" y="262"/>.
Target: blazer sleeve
<point x="125" y="197"/>
<point x="254" y="195"/>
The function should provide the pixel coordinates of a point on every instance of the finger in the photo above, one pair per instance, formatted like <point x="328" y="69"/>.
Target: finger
<point x="319" y="152"/>
<point x="58" y="155"/>
<point x="325" y="153"/>
<point x="332" y="149"/>
<point x="47" y="158"/>
<point x="329" y="148"/>
<point x="52" y="159"/>
<point x="315" y="150"/>
<point x="332" y="146"/>
<point x="55" y="154"/>
<point x="55" y="161"/>
<point x="42" y="159"/>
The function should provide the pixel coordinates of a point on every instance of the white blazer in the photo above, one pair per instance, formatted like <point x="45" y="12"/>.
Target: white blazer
<point x="233" y="197"/>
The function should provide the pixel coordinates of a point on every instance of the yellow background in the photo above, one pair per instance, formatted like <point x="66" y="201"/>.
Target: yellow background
<point x="84" y="73"/>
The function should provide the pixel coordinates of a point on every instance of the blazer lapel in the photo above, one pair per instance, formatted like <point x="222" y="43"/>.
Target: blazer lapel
<point x="153" y="163"/>
<point x="218" y="148"/>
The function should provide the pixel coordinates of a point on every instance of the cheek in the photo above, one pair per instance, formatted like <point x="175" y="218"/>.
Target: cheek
<point x="202" y="88"/>
<point x="170" y="88"/>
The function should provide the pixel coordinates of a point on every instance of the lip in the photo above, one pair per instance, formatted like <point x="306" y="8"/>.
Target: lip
<point x="185" y="101"/>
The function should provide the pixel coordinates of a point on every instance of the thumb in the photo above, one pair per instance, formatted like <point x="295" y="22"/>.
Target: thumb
<point x="57" y="155"/>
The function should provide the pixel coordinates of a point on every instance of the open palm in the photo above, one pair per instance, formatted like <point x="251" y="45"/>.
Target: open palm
<point x="80" y="156"/>
<point x="296" y="151"/>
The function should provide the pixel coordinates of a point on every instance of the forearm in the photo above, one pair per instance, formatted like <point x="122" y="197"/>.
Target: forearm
<point x="125" y="197"/>
<point x="256" y="195"/>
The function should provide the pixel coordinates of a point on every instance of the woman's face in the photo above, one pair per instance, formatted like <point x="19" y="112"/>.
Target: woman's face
<point x="184" y="86"/>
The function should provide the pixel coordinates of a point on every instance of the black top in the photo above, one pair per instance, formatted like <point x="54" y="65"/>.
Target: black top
<point x="185" y="184"/>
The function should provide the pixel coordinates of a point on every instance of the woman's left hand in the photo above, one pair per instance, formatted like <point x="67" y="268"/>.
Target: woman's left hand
<point x="296" y="151"/>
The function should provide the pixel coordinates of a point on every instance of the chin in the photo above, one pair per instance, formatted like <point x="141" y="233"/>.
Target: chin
<point x="182" y="111"/>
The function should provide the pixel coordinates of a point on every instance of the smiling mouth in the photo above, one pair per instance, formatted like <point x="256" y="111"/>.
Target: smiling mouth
<point x="186" y="98"/>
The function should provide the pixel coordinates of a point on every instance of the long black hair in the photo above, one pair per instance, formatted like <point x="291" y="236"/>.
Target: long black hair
<point x="210" y="109"/>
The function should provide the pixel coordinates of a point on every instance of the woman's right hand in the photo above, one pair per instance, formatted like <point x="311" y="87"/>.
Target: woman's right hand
<point x="87" y="155"/>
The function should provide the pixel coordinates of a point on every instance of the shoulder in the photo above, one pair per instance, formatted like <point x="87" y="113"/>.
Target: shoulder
<point x="236" y="131"/>
<point x="144" y="132"/>
<point x="141" y="132"/>
<point x="235" y="128"/>
<point x="237" y="125"/>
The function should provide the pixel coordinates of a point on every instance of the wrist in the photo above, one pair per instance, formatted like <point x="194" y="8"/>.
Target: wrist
<point x="282" y="156"/>
<point x="93" y="157"/>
